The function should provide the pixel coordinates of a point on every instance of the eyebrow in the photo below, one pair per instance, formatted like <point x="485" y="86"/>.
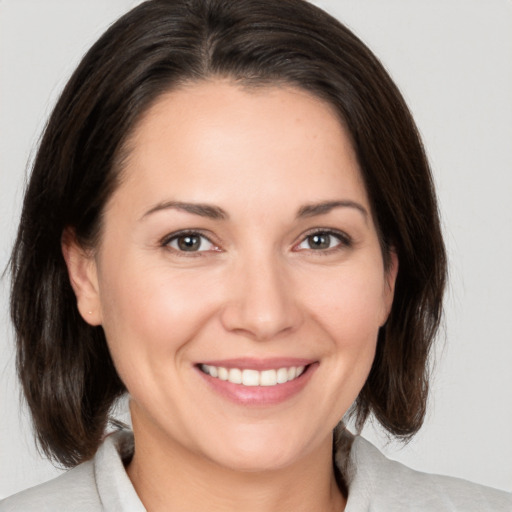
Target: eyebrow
<point x="204" y="210"/>
<point x="217" y="213"/>
<point x="311" y="210"/>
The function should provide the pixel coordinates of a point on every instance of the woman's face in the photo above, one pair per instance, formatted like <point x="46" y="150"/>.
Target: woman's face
<point x="240" y="246"/>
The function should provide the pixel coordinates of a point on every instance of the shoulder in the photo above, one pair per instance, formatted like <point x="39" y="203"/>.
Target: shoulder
<point x="377" y="483"/>
<point x="74" y="490"/>
<point x="94" y="486"/>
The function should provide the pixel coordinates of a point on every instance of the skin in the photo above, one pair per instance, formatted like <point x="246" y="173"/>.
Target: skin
<point x="257" y="288"/>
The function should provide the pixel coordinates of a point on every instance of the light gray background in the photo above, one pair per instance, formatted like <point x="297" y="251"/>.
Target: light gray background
<point x="453" y="61"/>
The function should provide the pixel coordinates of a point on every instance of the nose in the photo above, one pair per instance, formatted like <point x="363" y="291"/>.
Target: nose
<point x="262" y="304"/>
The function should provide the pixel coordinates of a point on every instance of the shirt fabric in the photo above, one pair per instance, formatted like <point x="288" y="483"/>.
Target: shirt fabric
<point x="375" y="483"/>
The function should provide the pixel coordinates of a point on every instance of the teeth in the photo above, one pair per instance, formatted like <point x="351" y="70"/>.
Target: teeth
<point x="251" y="378"/>
<point x="254" y="377"/>
<point x="282" y="375"/>
<point x="234" y="375"/>
<point x="223" y="373"/>
<point x="268" y="378"/>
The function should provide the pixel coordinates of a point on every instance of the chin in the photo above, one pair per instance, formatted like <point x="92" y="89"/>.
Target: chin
<point x="258" y="451"/>
<point x="252" y="461"/>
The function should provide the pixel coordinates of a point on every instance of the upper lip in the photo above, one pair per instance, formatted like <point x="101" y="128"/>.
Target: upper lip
<point x="247" y="363"/>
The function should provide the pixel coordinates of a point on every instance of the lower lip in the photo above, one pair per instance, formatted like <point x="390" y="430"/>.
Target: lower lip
<point x="259" y="395"/>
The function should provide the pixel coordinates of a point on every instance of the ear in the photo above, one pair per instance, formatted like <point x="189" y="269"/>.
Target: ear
<point x="82" y="271"/>
<point x="389" y="287"/>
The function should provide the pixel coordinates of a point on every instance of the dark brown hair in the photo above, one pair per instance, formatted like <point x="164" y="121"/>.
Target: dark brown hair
<point x="67" y="374"/>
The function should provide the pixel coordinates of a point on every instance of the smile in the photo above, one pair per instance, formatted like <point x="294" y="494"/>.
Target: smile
<point x="250" y="377"/>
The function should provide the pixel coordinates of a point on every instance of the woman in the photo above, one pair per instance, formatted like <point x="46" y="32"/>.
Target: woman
<point x="231" y="217"/>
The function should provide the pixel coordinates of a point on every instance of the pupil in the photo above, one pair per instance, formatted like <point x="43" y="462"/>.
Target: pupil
<point x="319" y="241"/>
<point x="189" y="243"/>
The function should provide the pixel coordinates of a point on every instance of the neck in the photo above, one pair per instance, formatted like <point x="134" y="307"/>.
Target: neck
<point x="173" y="478"/>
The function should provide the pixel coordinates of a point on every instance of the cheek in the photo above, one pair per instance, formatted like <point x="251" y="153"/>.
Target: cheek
<point x="347" y="307"/>
<point x="149" y="314"/>
<point x="350" y="304"/>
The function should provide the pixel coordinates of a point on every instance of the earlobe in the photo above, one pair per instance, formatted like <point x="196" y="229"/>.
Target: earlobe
<point x="82" y="272"/>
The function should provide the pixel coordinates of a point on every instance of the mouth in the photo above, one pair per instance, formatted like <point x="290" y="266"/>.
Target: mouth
<point x="252" y="377"/>
<point x="253" y="382"/>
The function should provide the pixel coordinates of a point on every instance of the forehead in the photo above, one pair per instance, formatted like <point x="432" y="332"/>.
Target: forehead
<point x="208" y="134"/>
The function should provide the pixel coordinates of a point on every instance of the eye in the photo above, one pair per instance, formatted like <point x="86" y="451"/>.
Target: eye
<point x="323" y="240"/>
<point x="190" y="242"/>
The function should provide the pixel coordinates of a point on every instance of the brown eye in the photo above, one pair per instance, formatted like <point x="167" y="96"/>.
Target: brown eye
<point x="319" y="241"/>
<point x="190" y="242"/>
<point x="324" y="240"/>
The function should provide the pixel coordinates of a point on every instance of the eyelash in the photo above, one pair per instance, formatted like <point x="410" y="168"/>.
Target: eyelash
<point x="166" y="243"/>
<point x="344" y="241"/>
